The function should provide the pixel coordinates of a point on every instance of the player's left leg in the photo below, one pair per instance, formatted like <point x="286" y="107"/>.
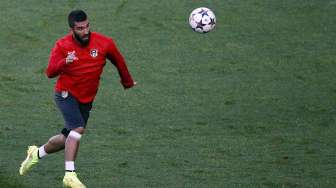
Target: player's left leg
<point x="75" y="115"/>
<point x="71" y="148"/>
<point x="72" y="145"/>
<point x="73" y="139"/>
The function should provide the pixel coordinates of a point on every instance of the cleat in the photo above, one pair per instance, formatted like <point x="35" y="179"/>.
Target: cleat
<point x="30" y="161"/>
<point x="71" y="180"/>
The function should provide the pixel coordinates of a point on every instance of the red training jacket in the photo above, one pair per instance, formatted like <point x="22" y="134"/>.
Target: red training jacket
<point x="81" y="77"/>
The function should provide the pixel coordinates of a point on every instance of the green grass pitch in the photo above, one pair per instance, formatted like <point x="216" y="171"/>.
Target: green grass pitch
<point x="250" y="104"/>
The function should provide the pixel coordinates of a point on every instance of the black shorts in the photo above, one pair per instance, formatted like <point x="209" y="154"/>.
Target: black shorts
<point x="75" y="113"/>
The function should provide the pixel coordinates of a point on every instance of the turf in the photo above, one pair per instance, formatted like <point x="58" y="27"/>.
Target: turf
<point x="250" y="104"/>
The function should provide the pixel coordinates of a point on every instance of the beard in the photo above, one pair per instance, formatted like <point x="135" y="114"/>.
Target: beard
<point x="84" y="41"/>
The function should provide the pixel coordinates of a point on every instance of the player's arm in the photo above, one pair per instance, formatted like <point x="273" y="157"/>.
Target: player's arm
<point x="118" y="61"/>
<point x="57" y="62"/>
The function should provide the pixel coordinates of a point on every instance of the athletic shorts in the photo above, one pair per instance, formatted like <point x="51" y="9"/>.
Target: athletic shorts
<point x="75" y="114"/>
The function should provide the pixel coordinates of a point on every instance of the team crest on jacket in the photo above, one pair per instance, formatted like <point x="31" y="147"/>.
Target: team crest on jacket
<point x="94" y="53"/>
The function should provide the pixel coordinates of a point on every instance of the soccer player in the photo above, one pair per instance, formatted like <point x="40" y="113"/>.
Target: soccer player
<point x="77" y="60"/>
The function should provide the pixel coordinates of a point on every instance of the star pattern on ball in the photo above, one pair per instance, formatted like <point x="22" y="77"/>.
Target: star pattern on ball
<point x="202" y="11"/>
<point x="212" y="21"/>
<point x="202" y="20"/>
<point x="200" y="24"/>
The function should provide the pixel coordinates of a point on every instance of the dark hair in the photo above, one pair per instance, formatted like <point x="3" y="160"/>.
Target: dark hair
<point x="76" y="16"/>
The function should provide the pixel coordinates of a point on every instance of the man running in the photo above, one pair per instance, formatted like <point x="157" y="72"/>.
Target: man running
<point x="77" y="60"/>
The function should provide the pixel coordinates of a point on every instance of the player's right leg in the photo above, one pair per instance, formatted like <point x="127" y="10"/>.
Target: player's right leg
<point x="54" y="144"/>
<point x="30" y="161"/>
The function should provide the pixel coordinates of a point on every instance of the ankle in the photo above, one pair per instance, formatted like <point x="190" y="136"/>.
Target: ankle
<point x="69" y="166"/>
<point x="41" y="152"/>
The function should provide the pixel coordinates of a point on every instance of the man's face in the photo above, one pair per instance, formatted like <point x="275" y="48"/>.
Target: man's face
<point x="81" y="32"/>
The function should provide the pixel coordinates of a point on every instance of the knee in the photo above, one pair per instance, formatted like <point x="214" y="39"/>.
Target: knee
<point x="56" y="140"/>
<point x="79" y="130"/>
<point x="76" y="133"/>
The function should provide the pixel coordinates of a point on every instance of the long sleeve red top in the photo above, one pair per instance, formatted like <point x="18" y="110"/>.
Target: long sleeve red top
<point x="81" y="77"/>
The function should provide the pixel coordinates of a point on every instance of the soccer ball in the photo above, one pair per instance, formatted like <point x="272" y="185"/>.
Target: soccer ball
<point x="202" y="20"/>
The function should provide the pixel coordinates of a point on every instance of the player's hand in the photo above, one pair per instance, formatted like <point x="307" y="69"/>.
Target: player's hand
<point x="128" y="87"/>
<point x="70" y="58"/>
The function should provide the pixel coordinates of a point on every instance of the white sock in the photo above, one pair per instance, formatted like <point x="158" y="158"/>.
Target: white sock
<point x="42" y="152"/>
<point x="69" y="165"/>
